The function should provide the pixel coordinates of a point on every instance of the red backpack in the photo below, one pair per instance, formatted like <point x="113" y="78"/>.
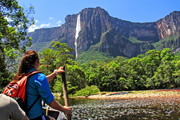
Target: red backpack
<point x="17" y="90"/>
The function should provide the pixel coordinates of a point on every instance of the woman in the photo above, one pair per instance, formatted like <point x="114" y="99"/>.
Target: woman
<point x="37" y="87"/>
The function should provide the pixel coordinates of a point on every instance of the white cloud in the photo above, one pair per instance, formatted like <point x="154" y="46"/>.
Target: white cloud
<point x="59" y="23"/>
<point x="39" y="26"/>
<point x="34" y="27"/>
<point x="36" y="21"/>
<point x="51" y="18"/>
<point x="44" y="25"/>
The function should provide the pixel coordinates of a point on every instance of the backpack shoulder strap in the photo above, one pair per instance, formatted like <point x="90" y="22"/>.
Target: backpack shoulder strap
<point x="29" y="74"/>
<point x="32" y="73"/>
<point x="32" y="104"/>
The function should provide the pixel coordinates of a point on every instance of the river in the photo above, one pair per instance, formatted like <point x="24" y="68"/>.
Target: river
<point x="157" y="108"/>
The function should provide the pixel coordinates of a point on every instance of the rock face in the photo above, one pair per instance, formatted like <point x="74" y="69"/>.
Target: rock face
<point x="45" y="34"/>
<point x="170" y="25"/>
<point x="104" y="33"/>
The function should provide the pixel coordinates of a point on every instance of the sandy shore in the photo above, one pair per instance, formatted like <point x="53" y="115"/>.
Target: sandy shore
<point x="135" y="94"/>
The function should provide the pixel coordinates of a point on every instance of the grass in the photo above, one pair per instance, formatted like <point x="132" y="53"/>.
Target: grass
<point x="134" y="40"/>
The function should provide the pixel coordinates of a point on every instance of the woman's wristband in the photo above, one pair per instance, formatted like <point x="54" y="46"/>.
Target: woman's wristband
<point x="56" y="71"/>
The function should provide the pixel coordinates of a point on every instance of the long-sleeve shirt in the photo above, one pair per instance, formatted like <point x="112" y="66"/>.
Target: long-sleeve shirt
<point x="36" y="85"/>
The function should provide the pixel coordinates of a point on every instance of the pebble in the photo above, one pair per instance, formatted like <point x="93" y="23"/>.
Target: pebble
<point x="147" y="108"/>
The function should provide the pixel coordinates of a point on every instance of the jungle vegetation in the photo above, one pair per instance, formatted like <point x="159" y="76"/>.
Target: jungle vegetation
<point x="156" y="69"/>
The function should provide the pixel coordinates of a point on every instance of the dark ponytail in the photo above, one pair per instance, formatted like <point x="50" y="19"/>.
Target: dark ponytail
<point x="27" y="62"/>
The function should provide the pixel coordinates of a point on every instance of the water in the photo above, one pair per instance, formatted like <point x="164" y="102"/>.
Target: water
<point x="78" y="29"/>
<point x="127" y="109"/>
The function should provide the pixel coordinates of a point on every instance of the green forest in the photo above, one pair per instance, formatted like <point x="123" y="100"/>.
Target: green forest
<point x="152" y="70"/>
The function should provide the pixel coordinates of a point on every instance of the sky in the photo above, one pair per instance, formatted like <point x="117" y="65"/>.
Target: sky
<point x="52" y="13"/>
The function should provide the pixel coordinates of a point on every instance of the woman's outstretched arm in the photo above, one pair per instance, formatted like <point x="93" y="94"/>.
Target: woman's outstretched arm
<point x="54" y="104"/>
<point x="54" y="74"/>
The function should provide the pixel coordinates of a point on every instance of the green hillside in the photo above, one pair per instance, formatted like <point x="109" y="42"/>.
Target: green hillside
<point x="169" y="42"/>
<point x="39" y="46"/>
<point x="88" y="56"/>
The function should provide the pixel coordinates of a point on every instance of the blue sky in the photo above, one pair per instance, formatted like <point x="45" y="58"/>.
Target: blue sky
<point x="52" y="13"/>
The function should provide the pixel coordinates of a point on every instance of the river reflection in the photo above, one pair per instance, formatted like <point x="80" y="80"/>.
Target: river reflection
<point x="128" y="109"/>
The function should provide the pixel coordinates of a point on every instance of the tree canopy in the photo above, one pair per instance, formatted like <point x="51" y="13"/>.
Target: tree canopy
<point x="14" y="23"/>
<point x="153" y="70"/>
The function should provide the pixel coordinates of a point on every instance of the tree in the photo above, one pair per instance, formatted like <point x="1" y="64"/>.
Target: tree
<point x="13" y="30"/>
<point x="151" y="61"/>
<point x="176" y="73"/>
<point x="163" y="77"/>
<point x="53" y="58"/>
<point x="76" y="78"/>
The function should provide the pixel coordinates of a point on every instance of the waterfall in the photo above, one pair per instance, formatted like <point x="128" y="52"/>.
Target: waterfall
<point x="78" y="29"/>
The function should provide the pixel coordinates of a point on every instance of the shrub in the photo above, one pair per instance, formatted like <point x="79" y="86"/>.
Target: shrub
<point x="89" y="90"/>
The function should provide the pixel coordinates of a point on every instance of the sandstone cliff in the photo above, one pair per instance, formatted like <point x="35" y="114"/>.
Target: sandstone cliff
<point x="99" y="31"/>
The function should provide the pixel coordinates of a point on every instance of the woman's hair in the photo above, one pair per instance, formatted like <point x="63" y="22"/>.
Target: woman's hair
<point x="27" y="62"/>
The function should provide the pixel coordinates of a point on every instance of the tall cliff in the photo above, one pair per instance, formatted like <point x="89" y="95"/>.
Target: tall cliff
<point x="99" y="31"/>
<point x="170" y="25"/>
